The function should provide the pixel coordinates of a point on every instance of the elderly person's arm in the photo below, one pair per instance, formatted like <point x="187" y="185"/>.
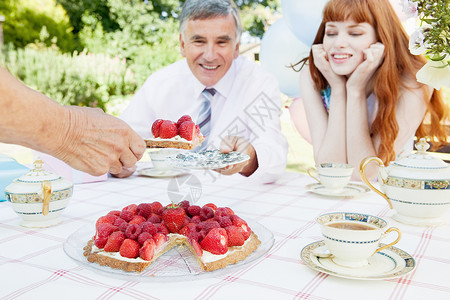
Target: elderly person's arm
<point x="85" y="138"/>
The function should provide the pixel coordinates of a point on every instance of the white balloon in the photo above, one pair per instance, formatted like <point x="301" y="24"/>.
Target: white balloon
<point x="303" y="17"/>
<point x="280" y="49"/>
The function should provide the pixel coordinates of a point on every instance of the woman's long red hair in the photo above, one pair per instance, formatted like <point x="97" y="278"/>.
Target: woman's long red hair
<point x="398" y="63"/>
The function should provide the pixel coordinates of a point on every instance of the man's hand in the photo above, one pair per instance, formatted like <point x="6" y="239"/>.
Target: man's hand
<point x="233" y="143"/>
<point x="97" y="143"/>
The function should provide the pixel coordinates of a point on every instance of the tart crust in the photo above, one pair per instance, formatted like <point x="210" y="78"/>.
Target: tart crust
<point x="239" y="253"/>
<point x="197" y="141"/>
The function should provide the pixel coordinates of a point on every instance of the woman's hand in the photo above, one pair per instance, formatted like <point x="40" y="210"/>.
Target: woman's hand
<point x="322" y="63"/>
<point x="373" y="57"/>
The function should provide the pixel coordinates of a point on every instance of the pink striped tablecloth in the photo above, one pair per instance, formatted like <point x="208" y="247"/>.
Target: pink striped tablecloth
<point x="33" y="264"/>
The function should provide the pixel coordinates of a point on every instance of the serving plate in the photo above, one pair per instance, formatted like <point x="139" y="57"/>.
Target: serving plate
<point x="176" y="265"/>
<point x="208" y="159"/>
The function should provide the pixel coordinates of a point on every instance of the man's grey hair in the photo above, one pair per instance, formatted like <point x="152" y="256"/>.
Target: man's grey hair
<point x="206" y="9"/>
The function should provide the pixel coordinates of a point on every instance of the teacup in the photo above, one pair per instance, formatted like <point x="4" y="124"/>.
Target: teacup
<point x="159" y="158"/>
<point x="352" y="238"/>
<point x="333" y="176"/>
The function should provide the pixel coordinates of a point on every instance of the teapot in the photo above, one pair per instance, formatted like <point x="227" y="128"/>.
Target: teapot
<point x="39" y="196"/>
<point x="417" y="186"/>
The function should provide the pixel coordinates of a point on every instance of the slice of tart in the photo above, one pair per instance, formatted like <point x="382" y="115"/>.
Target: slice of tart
<point x="184" y="134"/>
<point x="133" y="238"/>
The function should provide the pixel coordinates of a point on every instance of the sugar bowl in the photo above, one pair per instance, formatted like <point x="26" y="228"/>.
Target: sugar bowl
<point x="416" y="186"/>
<point x="39" y="196"/>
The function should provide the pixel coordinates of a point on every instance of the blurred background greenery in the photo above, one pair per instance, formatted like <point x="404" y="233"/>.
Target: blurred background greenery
<point x="97" y="53"/>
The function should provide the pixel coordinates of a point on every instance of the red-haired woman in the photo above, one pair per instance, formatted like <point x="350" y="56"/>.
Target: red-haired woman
<point x="359" y="88"/>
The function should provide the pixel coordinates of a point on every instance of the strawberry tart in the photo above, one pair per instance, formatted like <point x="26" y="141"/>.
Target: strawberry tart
<point x="132" y="238"/>
<point x="184" y="134"/>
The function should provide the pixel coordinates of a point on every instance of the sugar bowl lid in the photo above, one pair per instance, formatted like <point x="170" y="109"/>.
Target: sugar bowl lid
<point x="32" y="180"/>
<point x="422" y="164"/>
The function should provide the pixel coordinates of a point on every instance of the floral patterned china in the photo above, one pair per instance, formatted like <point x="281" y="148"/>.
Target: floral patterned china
<point x="39" y="197"/>
<point x="208" y="159"/>
<point x="416" y="186"/>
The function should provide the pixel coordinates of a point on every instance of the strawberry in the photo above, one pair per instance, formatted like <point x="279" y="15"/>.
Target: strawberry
<point x="168" y="129"/>
<point x="173" y="217"/>
<point x="105" y="230"/>
<point x="129" y="248"/>
<point x="187" y="130"/>
<point x="100" y="242"/>
<point x="198" y="250"/>
<point x="114" y="242"/>
<point x="147" y="250"/>
<point x="155" y="127"/>
<point x="216" y="241"/>
<point x="235" y="236"/>
<point x="212" y="205"/>
<point x="160" y="239"/>
<point x="108" y="219"/>
<point x="187" y="229"/>
<point x="132" y="208"/>
<point x="114" y="213"/>
<point x="137" y="220"/>
<point x="183" y="119"/>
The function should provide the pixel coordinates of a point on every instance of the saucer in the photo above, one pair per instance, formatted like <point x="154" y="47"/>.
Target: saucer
<point x="350" y="190"/>
<point x="153" y="172"/>
<point x="389" y="263"/>
<point x="418" y="221"/>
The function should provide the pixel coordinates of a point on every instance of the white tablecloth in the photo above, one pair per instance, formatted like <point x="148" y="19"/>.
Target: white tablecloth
<point x="33" y="264"/>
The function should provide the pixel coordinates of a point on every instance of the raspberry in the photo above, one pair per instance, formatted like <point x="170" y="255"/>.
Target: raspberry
<point x="168" y="129"/>
<point x="222" y="211"/>
<point x="148" y="227"/>
<point x="225" y="221"/>
<point x="184" y="119"/>
<point x="119" y="221"/>
<point x="156" y="206"/>
<point x="210" y="225"/>
<point x="193" y="210"/>
<point x="114" y="242"/>
<point x="187" y="130"/>
<point x="143" y="237"/>
<point x="129" y="248"/>
<point x="137" y="220"/>
<point x="126" y="215"/>
<point x="133" y="231"/>
<point x="155" y="127"/>
<point x="105" y="229"/>
<point x="196" y="219"/>
<point x="184" y="204"/>
<point x="161" y="228"/>
<point x="100" y="242"/>
<point x="123" y="226"/>
<point x="147" y="250"/>
<point x="154" y="218"/>
<point x="196" y="236"/>
<point x="144" y="209"/>
<point x="206" y="213"/>
<point x="186" y="230"/>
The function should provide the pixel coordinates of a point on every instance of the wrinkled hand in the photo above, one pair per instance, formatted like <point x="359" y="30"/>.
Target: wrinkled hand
<point x="97" y="143"/>
<point x="323" y="65"/>
<point x="373" y="57"/>
<point x="239" y="144"/>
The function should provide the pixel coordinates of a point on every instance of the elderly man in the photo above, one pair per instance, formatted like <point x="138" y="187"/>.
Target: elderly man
<point x="241" y="99"/>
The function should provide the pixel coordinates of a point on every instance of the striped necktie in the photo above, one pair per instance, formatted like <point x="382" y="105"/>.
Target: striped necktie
<point x="204" y="118"/>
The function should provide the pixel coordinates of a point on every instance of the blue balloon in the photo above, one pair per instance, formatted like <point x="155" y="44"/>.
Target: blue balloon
<point x="303" y="17"/>
<point x="280" y="49"/>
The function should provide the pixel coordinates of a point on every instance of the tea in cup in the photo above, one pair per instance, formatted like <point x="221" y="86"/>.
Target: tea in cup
<point x="333" y="176"/>
<point x="160" y="159"/>
<point x="352" y="238"/>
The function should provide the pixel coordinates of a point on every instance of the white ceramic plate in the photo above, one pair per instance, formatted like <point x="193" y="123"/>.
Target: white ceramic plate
<point x="389" y="263"/>
<point x="153" y="172"/>
<point x="208" y="159"/>
<point x="351" y="190"/>
<point x="176" y="265"/>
